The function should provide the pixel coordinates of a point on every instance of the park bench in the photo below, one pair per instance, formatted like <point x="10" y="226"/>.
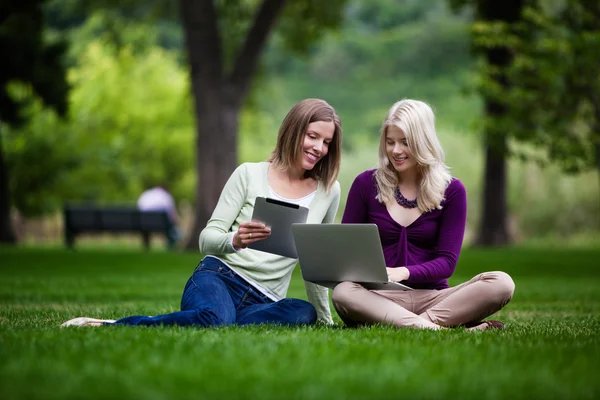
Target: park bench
<point x="96" y="219"/>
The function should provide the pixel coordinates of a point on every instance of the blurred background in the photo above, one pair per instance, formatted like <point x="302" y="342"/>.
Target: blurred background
<point x="103" y="100"/>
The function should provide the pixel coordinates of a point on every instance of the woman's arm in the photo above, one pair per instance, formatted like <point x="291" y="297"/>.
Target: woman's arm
<point x="335" y="203"/>
<point x="450" y="238"/>
<point x="216" y="237"/>
<point x="357" y="203"/>
<point x="318" y="295"/>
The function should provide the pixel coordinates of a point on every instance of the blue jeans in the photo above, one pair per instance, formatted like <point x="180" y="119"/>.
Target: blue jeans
<point x="217" y="296"/>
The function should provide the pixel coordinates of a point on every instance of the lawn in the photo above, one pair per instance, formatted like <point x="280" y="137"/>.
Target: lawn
<point x="550" y="349"/>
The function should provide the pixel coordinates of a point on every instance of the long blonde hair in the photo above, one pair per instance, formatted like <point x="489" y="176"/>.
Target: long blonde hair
<point x="415" y="118"/>
<point x="291" y="138"/>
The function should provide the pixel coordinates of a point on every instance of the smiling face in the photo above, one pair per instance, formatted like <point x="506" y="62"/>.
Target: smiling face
<point x="316" y="143"/>
<point x="397" y="150"/>
<point x="309" y="142"/>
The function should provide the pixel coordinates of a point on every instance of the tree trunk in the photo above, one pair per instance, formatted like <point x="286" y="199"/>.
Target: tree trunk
<point x="218" y="96"/>
<point x="216" y="158"/>
<point x="597" y="147"/>
<point x="493" y="228"/>
<point x="216" y="144"/>
<point x="596" y="132"/>
<point x="7" y="234"/>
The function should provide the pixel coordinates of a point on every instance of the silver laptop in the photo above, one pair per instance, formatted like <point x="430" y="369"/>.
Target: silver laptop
<point x="280" y="216"/>
<point x="333" y="253"/>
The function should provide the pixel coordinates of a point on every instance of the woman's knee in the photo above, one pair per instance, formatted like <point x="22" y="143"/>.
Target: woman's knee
<point x="504" y="286"/>
<point x="342" y="293"/>
<point x="208" y="317"/>
<point x="303" y="312"/>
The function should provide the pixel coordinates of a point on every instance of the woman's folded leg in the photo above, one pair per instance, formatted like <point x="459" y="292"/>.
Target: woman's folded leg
<point x="205" y="302"/>
<point x="469" y="302"/>
<point x="357" y="305"/>
<point x="282" y="312"/>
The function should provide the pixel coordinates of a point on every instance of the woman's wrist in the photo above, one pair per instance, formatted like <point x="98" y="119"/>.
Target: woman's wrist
<point x="235" y="241"/>
<point x="407" y="272"/>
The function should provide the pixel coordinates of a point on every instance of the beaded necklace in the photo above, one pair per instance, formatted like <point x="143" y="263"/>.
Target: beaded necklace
<point x="403" y="201"/>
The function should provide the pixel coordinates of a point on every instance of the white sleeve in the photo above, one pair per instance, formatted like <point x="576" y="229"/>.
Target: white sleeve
<point x="319" y="295"/>
<point x="216" y="237"/>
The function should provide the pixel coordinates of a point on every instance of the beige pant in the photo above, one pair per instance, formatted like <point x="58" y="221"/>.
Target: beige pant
<point x="468" y="302"/>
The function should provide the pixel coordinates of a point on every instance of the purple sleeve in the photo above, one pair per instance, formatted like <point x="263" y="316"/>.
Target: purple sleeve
<point x="357" y="203"/>
<point x="450" y="238"/>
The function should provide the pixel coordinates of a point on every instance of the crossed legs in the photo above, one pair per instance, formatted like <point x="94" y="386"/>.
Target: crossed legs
<point x="466" y="303"/>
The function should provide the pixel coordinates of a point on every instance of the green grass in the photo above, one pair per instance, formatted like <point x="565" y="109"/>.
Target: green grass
<point x="551" y="348"/>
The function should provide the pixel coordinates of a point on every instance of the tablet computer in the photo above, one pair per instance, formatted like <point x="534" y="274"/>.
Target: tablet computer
<point x="280" y="216"/>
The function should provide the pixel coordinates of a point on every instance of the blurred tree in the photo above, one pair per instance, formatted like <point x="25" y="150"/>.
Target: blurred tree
<point x="385" y="51"/>
<point x="224" y="41"/>
<point x="498" y="56"/>
<point x="129" y="128"/>
<point x="40" y="155"/>
<point x="132" y="23"/>
<point x="555" y="76"/>
<point x="30" y="60"/>
<point x="132" y="117"/>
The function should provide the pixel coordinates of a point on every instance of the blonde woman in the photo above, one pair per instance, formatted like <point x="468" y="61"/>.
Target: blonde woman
<point x="420" y="210"/>
<point x="234" y="285"/>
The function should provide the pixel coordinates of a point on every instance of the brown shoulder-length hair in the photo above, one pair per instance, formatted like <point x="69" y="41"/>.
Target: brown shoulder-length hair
<point x="291" y="139"/>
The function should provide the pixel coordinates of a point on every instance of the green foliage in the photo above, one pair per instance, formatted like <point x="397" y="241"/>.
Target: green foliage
<point x="29" y="59"/>
<point x="553" y="96"/>
<point x="34" y="64"/>
<point x="137" y="25"/>
<point x="549" y="349"/>
<point x="382" y="53"/>
<point x="383" y="15"/>
<point x="129" y="128"/>
<point x="131" y="123"/>
<point x="39" y="156"/>
<point x="133" y="113"/>
<point x="304" y="22"/>
<point x="258" y="133"/>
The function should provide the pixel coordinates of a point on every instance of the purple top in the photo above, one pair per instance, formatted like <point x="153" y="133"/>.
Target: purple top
<point x="429" y="247"/>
